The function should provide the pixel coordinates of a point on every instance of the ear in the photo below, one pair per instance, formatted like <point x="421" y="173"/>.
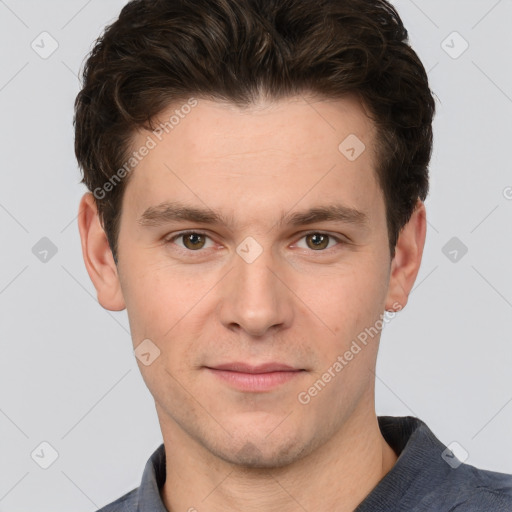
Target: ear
<point x="98" y="257"/>
<point x="407" y="260"/>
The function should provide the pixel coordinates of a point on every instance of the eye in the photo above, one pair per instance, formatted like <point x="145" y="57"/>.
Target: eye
<point x="195" y="241"/>
<point x="319" y="241"/>
<point x="191" y="240"/>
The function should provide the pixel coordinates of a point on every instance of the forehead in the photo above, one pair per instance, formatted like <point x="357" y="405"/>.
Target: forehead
<point x="267" y="155"/>
<point x="299" y="126"/>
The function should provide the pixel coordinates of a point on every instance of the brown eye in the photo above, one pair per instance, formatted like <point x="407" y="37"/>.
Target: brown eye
<point x="193" y="241"/>
<point x="317" y="241"/>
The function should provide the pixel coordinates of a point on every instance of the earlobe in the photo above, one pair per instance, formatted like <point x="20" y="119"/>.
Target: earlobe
<point x="98" y="256"/>
<point x="406" y="263"/>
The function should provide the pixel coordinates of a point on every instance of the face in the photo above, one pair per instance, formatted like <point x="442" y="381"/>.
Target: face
<point x="248" y="238"/>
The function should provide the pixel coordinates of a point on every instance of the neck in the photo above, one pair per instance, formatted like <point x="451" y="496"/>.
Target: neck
<point x="336" y="476"/>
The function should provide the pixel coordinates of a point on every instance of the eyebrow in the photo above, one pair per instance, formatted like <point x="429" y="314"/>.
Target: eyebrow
<point x="168" y="212"/>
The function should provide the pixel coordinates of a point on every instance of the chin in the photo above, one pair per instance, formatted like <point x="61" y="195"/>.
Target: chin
<point x="264" y="455"/>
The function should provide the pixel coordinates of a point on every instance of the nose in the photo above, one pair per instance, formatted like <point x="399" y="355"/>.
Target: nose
<point x="254" y="297"/>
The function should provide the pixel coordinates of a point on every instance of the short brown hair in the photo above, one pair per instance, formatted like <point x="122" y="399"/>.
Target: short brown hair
<point x="160" y="52"/>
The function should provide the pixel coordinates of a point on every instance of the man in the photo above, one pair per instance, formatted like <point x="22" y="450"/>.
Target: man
<point x="257" y="171"/>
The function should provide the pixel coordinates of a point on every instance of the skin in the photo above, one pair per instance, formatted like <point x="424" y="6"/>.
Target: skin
<point x="228" y="449"/>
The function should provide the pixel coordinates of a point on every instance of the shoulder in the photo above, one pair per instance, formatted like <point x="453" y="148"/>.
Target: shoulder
<point x="147" y="494"/>
<point x="485" y="499"/>
<point x="126" y="503"/>
<point x="475" y="489"/>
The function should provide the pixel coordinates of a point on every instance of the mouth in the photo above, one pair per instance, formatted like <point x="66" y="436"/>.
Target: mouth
<point x="260" y="378"/>
<point x="247" y="368"/>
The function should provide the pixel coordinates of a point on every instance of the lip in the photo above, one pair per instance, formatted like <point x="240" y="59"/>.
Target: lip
<point x="260" y="378"/>
<point x="247" y="368"/>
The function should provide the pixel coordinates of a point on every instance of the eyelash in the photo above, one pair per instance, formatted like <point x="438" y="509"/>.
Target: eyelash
<point x="170" y="240"/>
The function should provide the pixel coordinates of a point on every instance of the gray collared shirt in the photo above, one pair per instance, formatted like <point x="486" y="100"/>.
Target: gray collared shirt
<point x="426" y="477"/>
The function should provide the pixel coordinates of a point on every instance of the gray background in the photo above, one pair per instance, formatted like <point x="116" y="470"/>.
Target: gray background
<point x="67" y="371"/>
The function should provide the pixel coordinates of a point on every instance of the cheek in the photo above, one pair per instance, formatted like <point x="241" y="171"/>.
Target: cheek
<point x="347" y="299"/>
<point x="172" y="309"/>
<point x="157" y="295"/>
<point x="349" y="304"/>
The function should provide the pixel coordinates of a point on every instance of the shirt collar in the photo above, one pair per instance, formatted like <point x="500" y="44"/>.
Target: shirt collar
<point x="153" y="479"/>
<point x="419" y="452"/>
